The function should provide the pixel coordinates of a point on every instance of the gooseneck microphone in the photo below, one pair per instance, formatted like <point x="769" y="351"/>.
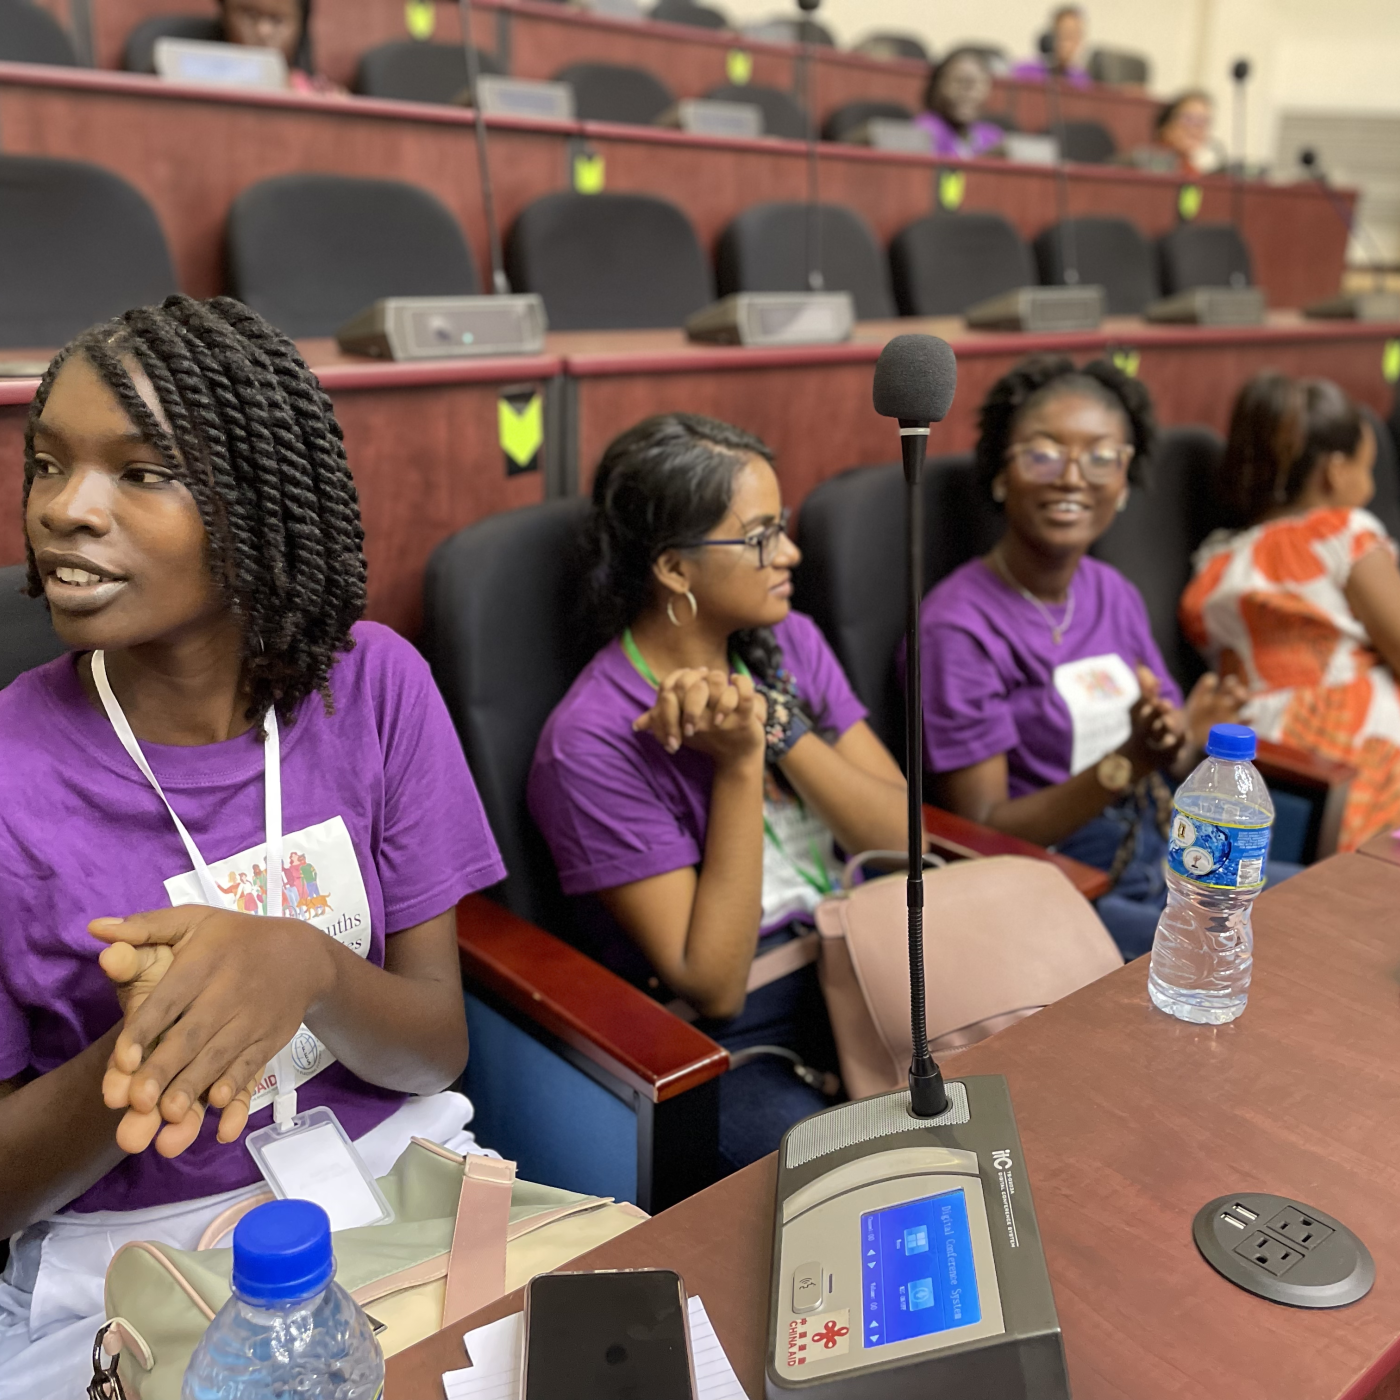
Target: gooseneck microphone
<point x="1239" y="136"/>
<point x="816" y="282"/>
<point x="915" y="378"/>
<point x="500" y="284"/>
<point x="1308" y="159"/>
<point x="1069" y="250"/>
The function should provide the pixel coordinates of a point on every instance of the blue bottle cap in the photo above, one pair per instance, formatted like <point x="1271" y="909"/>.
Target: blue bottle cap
<point x="282" y="1252"/>
<point x="1234" y="741"/>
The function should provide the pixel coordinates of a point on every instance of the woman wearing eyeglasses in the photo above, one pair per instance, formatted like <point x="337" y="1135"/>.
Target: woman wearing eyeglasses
<point x="696" y="779"/>
<point x="1048" y="711"/>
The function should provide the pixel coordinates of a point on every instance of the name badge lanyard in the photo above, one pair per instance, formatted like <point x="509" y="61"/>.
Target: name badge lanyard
<point x="284" y="1104"/>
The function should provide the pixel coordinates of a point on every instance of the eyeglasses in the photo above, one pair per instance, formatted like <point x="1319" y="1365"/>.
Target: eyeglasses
<point x="1044" y="461"/>
<point x="765" y="540"/>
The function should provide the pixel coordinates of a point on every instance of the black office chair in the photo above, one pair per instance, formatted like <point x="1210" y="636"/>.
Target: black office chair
<point x="608" y="261"/>
<point x="1203" y="255"/>
<point x="852" y="577"/>
<point x="1089" y="142"/>
<point x="501" y="632"/>
<point x="27" y="638"/>
<point x="686" y="12"/>
<point x="1385" y="504"/>
<point x="1110" y="252"/>
<point x="1119" y="66"/>
<point x="783" y="115"/>
<point x="139" y="53"/>
<point x="889" y="45"/>
<point x="846" y="121"/>
<point x="613" y="92"/>
<point x="77" y="245"/>
<point x="765" y="250"/>
<point x="1393" y="422"/>
<point x="29" y="34"/>
<point x="944" y="263"/>
<point x="416" y="72"/>
<point x="309" y="251"/>
<point x="791" y="31"/>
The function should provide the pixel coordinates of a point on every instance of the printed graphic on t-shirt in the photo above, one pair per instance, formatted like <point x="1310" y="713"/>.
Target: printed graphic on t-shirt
<point x="321" y="884"/>
<point x="1099" y="692"/>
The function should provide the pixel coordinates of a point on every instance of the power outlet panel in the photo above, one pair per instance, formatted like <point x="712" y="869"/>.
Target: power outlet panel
<point x="1273" y="1256"/>
<point x="1299" y="1228"/>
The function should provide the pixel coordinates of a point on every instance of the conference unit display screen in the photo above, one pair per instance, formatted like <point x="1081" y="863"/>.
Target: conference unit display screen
<point x="919" y="1273"/>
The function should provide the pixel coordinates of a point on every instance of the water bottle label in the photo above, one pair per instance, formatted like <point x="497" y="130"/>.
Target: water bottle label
<point x="1217" y="856"/>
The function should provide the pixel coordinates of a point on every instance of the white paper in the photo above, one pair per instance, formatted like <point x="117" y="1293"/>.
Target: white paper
<point x="498" y="1350"/>
<point x="313" y="1165"/>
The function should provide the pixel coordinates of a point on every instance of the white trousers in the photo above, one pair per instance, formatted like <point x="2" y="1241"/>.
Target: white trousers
<point x="51" y="1302"/>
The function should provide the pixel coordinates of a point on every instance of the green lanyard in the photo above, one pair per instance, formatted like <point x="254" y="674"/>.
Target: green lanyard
<point x="821" y="882"/>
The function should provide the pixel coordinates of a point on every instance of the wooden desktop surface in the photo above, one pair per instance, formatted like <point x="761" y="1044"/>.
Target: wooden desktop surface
<point x="1131" y="1122"/>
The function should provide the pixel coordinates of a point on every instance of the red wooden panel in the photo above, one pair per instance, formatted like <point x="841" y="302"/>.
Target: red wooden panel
<point x="13" y="413"/>
<point x="585" y="1005"/>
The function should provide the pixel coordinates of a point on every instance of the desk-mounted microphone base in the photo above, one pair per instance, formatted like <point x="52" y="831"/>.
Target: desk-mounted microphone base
<point x="437" y="328"/>
<point x="1040" y="310"/>
<point x="1211" y="306"/>
<point x="1357" y="306"/>
<point x="775" y="318"/>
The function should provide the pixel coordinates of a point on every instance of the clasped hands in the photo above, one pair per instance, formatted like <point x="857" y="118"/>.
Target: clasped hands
<point x="208" y="998"/>
<point x="716" y="713"/>
<point x="1162" y="735"/>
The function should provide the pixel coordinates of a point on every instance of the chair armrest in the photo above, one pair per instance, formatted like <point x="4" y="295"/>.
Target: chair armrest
<point x="590" y="1009"/>
<point x="1326" y="783"/>
<point x="957" y="838"/>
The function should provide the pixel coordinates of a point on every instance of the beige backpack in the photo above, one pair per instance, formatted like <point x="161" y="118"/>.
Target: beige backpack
<point x="464" y="1233"/>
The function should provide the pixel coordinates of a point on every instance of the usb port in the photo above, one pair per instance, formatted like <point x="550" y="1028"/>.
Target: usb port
<point x="1231" y="1220"/>
<point x="1244" y="1211"/>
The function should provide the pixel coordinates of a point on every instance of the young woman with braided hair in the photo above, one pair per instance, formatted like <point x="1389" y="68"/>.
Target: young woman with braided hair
<point x="1048" y="711"/>
<point x="192" y="521"/>
<point x="692" y="783"/>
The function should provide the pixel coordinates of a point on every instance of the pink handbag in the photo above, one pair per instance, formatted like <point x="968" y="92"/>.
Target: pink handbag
<point x="1003" y="936"/>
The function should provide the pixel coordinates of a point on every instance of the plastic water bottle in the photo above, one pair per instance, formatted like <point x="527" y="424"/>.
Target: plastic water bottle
<point x="1222" y="818"/>
<point x="289" y="1329"/>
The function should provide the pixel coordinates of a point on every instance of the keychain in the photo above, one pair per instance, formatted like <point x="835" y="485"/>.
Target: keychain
<point x="106" y="1384"/>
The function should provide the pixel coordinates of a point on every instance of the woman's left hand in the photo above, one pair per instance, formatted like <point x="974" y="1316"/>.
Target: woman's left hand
<point x="236" y="988"/>
<point x="1212" y="701"/>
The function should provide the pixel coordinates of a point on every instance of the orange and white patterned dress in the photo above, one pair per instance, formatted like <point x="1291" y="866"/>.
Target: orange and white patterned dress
<point x="1269" y="605"/>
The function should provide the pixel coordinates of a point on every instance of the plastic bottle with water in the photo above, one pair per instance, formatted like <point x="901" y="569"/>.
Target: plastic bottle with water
<point x="1222" y="818"/>
<point x="289" y="1328"/>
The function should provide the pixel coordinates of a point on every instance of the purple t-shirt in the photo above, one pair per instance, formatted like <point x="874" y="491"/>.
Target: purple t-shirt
<point x="382" y="830"/>
<point x="1035" y="70"/>
<point x="996" y="682"/>
<point x="613" y="805"/>
<point x="948" y="141"/>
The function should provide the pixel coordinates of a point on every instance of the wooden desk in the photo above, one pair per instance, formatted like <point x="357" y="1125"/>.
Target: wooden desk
<point x="1131" y="1121"/>
<point x="191" y="150"/>
<point x="1382" y="847"/>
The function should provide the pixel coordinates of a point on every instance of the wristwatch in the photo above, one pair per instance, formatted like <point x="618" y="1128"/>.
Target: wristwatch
<point x="1115" y="772"/>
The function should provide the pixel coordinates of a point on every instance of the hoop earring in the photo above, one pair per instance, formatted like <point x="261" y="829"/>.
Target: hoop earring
<point x="999" y="491"/>
<point x="1123" y="501"/>
<point x="694" y="609"/>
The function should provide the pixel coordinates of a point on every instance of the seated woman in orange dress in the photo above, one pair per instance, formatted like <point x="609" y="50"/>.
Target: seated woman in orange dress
<point x="1304" y="602"/>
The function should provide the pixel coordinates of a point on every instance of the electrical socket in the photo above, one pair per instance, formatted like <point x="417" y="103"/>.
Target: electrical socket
<point x="1271" y="1255"/>
<point x="1298" y="1228"/>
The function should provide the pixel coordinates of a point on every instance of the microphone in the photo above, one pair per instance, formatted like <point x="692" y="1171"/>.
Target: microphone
<point x="816" y="282"/>
<point x="500" y="284"/>
<point x="915" y="379"/>
<point x="1239" y="74"/>
<point x="1378" y="304"/>
<point x="1069" y="250"/>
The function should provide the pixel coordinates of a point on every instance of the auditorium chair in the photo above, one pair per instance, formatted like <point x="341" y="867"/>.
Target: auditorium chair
<point x="944" y="263"/>
<point x="783" y="115"/>
<point x="77" y="245"/>
<point x="27" y="638"/>
<point x="846" y="121"/>
<point x="1203" y="255"/>
<point x="890" y="45"/>
<point x="997" y="61"/>
<point x="791" y="31"/>
<point x="851" y="583"/>
<point x="687" y="12"/>
<point x="765" y="250"/>
<point x="608" y="261"/>
<point x="309" y="251"/>
<point x="1118" y="66"/>
<point x="410" y="71"/>
<point x="29" y="34"/>
<point x="1089" y="142"/>
<point x="1385" y="504"/>
<point x="1108" y="251"/>
<point x="139" y="52"/>
<point x="614" y="92"/>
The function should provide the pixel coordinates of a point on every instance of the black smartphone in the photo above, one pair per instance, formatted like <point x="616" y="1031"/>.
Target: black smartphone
<point x="615" y="1335"/>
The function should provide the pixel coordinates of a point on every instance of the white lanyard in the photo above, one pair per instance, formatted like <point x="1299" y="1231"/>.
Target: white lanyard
<point x="284" y="1105"/>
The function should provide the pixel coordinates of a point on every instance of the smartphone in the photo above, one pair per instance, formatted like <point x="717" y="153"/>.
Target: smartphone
<point x="615" y="1335"/>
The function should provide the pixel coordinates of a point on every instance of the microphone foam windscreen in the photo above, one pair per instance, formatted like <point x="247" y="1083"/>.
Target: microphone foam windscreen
<point x="915" y="377"/>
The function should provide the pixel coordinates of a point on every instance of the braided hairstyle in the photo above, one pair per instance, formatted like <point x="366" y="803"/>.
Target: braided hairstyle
<point x="254" y="439"/>
<point x="1280" y="429"/>
<point x="661" y="484"/>
<point x="1040" y="378"/>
